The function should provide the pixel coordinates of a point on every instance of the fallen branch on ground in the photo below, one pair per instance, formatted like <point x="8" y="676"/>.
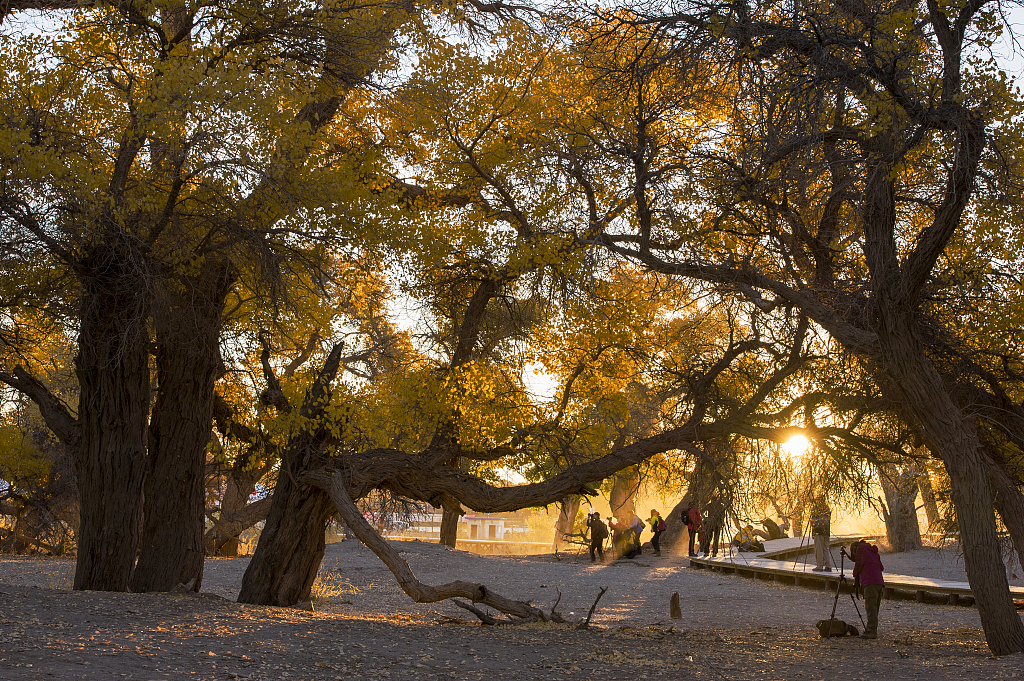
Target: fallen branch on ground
<point x="520" y="611"/>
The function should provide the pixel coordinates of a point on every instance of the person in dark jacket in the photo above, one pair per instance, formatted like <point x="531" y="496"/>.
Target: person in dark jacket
<point x="692" y="518"/>
<point x="598" y="533"/>
<point x="867" y="572"/>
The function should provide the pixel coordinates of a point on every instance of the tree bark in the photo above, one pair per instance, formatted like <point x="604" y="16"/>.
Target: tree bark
<point x="450" y="511"/>
<point x="1009" y="505"/>
<point x="112" y="366"/>
<point x="900" y="513"/>
<point x="287" y="558"/>
<point x="622" y="498"/>
<point x="187" y="321"/>
<point x="568" y="508"/>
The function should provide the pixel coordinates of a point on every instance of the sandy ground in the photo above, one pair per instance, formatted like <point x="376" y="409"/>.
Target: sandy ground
<point x="732" y="627"/>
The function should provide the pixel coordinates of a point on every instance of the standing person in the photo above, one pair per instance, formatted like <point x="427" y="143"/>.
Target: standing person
<point x="657" y="527"/>
<point x="821" y="529"/>
<point x="712" y="527"/>
<point x="616" y="527"/>
<point x="598" y="533"/>
<point x="693" y="518"/>
<point x="867" y="572"/>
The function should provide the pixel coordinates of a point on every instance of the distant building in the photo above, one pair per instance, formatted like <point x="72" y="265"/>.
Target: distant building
<point x="478" y="526"/>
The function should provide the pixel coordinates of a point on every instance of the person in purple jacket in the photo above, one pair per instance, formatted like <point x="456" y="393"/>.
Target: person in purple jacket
<point x="867" y="572"/>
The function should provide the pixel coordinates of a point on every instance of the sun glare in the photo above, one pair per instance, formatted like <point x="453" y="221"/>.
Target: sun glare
<point x="796" y="445"/>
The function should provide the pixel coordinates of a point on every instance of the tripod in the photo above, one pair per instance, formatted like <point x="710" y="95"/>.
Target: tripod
<point x="839" y="585"/>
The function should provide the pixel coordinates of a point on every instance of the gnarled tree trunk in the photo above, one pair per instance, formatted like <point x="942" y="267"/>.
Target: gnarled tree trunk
<point x="291" y="547"/>
<point x="622" y="498"/>
<point x="947" y="433"/>
<point x="188" y="324"/>
<point x="112" y="366"/>
<point x="900" y="513"/>
<point x="568" y="508"/>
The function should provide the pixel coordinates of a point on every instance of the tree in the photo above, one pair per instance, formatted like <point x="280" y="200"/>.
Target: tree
<point x="153" y="156"/>
<point x="847" y="167"/>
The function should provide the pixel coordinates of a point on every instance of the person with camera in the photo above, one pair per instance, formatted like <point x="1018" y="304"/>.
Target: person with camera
<point x="867" y="574"/>
<point x="821" y="530"/>
<point x="598" y="533"/>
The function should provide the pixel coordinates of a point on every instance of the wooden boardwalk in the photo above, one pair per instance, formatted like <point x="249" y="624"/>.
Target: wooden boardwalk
<point x="777" y="564"/>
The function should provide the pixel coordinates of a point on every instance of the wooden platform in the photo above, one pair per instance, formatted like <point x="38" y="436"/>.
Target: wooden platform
<point x="771" y="565"/>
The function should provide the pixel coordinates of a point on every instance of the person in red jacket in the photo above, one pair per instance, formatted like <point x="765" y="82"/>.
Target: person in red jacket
<point x="867" y="572"/>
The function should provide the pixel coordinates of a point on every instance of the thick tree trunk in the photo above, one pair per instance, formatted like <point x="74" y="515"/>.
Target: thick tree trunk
<point x="450" y="511"/>
<point x="568" y="508"/>
<point x="947" y="433"/>
<point x="112" y="366"/>
<point x="291" y="547"/>
<point x="188" y="324"/>
<point x="900" y="513"/>
<point x="702" y="484"/>
<point x="622" y="498"/>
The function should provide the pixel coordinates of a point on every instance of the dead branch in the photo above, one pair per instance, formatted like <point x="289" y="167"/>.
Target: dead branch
<point x="586" y="623"/>
<point x="335" y="487"/>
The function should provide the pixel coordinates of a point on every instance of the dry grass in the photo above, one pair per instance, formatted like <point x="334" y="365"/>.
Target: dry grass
<point x="330" y="585"/>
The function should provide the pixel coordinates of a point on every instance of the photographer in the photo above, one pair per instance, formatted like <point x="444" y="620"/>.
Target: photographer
<point x="821" y="529"/>
<point x="598" y="533"/>
<point x="867" y="572"/>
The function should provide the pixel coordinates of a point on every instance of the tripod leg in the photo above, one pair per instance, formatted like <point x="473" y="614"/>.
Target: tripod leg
<point x="855" y="607"/>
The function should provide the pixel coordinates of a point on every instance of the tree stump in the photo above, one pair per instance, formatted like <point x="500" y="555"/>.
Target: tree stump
<point x="676" y="612"/>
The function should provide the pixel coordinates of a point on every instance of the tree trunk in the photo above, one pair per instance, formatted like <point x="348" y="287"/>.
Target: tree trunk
<point x="188" y="324"/>
<point x="236" y="513"/>
<point x="112" y="366"/>
<point x="702" y="484"/>
<point x="568" y="508"/>
<point x="450" y="512"/>
<point x="931" y="506"/>
<point x="900" y="513"/>
<point x="1009" y="504"/>
<point x="947" y="433"/>
<point x="622" y="498"/>
<point x="291" y="547"/>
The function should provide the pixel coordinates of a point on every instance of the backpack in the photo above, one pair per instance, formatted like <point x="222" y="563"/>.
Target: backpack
<point x="834" y="628"/>
<point x="599" y="530"/>
<point x="661" y="525"/>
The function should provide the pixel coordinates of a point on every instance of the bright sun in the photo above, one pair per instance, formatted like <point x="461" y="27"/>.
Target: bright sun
<point x="796" y="445"/>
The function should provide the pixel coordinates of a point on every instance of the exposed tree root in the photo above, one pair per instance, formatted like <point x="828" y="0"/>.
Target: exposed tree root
<point x="518" y="611"/>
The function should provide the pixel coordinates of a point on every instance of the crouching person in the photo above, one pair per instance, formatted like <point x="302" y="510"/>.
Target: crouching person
<point x="867" y="572"/>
